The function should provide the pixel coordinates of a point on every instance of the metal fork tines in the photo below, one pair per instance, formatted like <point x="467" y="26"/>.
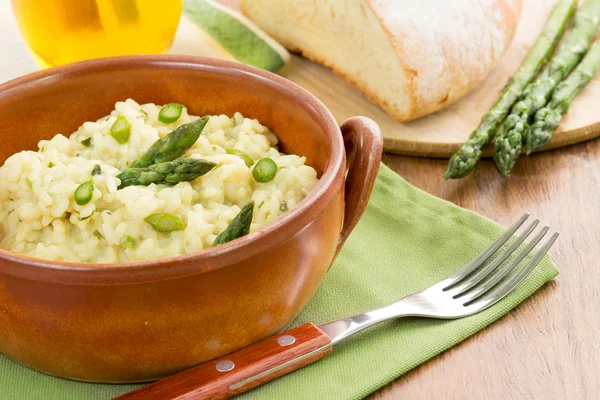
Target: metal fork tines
<point x="481" y="283"/>
<point x="466" y="284"/>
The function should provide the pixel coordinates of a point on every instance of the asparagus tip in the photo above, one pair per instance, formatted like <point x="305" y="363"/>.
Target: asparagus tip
<point x="462" y="162"/>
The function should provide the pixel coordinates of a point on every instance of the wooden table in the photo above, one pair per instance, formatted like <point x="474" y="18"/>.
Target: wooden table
<point x="546" y="348"/>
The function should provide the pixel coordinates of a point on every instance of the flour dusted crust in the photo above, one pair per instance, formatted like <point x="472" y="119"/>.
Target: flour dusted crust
<point x="442" y="48"/>
<point x="446" y="47"/>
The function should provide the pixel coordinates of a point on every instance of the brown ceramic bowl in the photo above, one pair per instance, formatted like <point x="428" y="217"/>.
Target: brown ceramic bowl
<point x="142" y="321"/>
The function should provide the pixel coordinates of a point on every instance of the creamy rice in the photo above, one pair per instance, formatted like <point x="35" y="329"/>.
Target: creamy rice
<point x="40" y="218"/>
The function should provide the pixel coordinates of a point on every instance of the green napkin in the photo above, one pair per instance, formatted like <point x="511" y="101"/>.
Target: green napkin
<point x="406" y="241"/>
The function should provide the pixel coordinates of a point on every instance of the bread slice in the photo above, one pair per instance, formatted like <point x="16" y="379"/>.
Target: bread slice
<point x="411" y="57"/>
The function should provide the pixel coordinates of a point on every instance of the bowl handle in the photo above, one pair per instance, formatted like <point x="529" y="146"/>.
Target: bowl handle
<point x="364" y="145"/>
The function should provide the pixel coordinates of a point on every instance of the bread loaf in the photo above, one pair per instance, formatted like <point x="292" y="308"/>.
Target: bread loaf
<point x="411" y="57"/>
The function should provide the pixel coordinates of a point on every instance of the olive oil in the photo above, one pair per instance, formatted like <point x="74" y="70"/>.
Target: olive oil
<point x="62" y="31"/>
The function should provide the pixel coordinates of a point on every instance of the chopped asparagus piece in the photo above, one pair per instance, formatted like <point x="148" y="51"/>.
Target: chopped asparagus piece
<point x="129" y="242"/>
<point x="165" y="222"/>
<point x="264" y="170"/>
<point x="170" y="113"/>
<point x="84" y="192"/>
<point x="120" y="130"/>
<point x="247" y="159"/>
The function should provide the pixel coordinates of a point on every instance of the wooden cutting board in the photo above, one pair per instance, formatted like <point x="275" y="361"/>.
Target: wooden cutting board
<point x="442" y="133"/>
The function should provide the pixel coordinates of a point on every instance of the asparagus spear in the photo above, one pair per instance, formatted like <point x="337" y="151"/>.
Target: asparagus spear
<point x="463" y="162"/>
<point x="238" y="227"/>
<point x="166" y="173"/>
<point x="509" y="143"/>
<point x="173" y="145"/>
<point x="546" y="120"/>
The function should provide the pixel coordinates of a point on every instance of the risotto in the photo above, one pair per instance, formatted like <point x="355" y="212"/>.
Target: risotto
<point x="125" y="188"/>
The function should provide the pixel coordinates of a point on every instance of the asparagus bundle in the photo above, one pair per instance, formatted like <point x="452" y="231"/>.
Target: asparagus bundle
<point x="166" y="173"/>
<point x="464" y="160"/>
<point x="546" y="120"/>
<point x="508" y="143"/>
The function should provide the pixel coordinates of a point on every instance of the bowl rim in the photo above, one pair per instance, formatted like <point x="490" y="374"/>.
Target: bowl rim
<point x="212" y="258"/>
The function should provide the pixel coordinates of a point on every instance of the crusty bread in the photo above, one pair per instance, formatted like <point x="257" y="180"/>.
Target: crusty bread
<point x="411" y="57"/>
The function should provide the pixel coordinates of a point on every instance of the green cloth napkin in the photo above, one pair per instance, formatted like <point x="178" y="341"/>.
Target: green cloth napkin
<point x="406" y="241"/>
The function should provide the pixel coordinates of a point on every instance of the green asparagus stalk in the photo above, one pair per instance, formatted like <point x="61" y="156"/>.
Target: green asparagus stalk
<point x="172" y="146"/>
<point x="463" y="162"/>
<point x="509" y="142"/>
<point x="546" y="120"/>
<point x="238" y="227"/>
<point x="166" y="173"/>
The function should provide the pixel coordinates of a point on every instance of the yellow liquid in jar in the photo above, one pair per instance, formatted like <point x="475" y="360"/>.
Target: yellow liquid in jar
<point x="62" y="31"/>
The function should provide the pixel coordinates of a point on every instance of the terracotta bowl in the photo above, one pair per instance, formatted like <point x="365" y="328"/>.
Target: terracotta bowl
<point x="142" y="321"/>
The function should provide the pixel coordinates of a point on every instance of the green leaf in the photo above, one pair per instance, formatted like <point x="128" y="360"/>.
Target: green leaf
<point x="97" y="170"/>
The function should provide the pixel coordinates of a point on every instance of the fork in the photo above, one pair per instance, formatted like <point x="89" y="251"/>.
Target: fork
<point x="476" y="286"/>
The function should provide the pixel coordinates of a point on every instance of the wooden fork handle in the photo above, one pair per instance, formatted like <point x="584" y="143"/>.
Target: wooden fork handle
<point x="242" y="370"/>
